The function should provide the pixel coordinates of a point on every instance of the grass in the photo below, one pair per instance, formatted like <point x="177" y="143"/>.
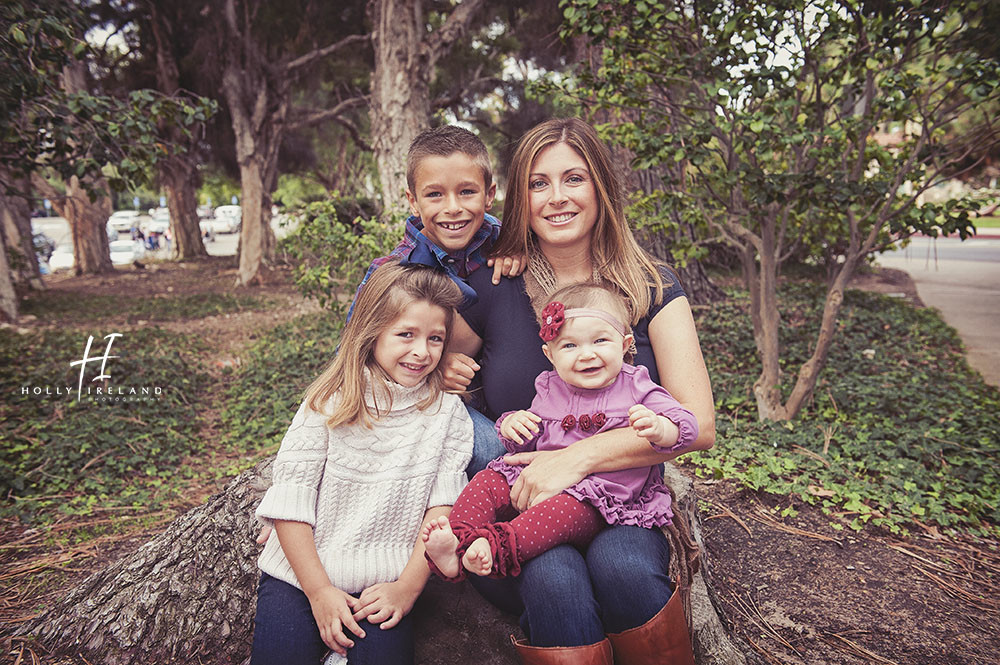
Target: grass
<point x="986" y="222"/>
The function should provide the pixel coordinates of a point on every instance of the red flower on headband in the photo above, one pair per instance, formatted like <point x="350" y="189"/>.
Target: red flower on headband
<point x="568" y="423"/>
<point x="600" y="419"/>
<point x="585" y="422"/>
<point x="553" y="317"/>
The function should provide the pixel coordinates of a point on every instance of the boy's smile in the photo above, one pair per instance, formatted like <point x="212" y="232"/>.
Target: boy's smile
<point x="451" y="198"/>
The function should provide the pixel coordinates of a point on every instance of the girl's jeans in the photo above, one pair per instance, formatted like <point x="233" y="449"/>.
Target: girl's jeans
<point x="286" y="632"/>
<point x="571" y="598"/>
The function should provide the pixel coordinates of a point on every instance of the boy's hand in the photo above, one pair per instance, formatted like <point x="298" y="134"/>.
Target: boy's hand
<point x="386" y="604"/>
<point x="333" y="611"/>
<point x="654" y="428"/>
<point x="508" y="266"/>
<point x="458" y="370"/>
<point x="520" y="426"/>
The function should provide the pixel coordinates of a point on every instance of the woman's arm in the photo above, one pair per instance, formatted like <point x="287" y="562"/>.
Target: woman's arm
<point x="682" y="372"/>
<point x="388" y="603"/>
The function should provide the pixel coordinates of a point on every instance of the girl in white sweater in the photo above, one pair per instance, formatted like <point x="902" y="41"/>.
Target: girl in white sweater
<point x="375" y="449"/>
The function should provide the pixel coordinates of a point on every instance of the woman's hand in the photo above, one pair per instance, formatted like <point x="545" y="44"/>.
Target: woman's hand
<point x="458" y="370"/>
<point x="387" y="603"/>
<point x="333" y="610"/>
<point x="545" y="474"/>
<point x="507" y="266"/>
<point x="520" y="426"/>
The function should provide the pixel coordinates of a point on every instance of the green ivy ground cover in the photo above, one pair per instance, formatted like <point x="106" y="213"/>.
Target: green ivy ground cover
<point x="73" y="308"/>
<point x="103" y="451"/>
<point x="913" y="433"/>
<point x="266" y="389"/>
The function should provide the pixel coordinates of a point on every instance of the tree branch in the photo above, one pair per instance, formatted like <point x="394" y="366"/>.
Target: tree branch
<point x="316" y="117"/>
<point x="312" y="56"/>
<point x="456" y="25"/>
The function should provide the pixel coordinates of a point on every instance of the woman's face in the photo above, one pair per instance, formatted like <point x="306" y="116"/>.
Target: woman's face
<point x="562" y="198"/>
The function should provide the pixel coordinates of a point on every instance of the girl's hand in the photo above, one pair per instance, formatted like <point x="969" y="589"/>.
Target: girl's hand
<point x="387" y="603"/>
<point x="546" y="473"/>
<point x="265" y="533"/>
<point x="654" y="428"/>
<point x="508" y="266"/>
<point x="520" y="426"/>
<point x="332" y="609"/>
<point x="458" y="370"/>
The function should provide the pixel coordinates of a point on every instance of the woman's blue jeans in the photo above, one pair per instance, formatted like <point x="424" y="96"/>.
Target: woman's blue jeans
<point x="286" y="632"/>
<point x="566" y="597"/>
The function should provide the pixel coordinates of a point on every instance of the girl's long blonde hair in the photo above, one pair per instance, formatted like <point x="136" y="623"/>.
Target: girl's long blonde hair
<point x="617" y="256"/>
<point x="383" y="298"/>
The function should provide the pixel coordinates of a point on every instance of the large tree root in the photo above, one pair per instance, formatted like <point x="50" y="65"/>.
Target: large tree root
<point x="188" y="596"/>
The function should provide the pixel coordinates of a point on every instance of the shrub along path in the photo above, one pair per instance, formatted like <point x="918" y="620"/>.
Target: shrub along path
<point x="864" y="532"/>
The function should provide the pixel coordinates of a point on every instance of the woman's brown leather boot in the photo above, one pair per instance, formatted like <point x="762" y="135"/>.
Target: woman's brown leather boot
<point x="663" y="640"/>
<point x="591" y="654"/>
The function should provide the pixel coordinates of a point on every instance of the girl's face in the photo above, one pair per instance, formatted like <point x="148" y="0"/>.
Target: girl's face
<point x="562" y="198"/>
<point x="410" y="347"/>
<point x="588" y="352"/>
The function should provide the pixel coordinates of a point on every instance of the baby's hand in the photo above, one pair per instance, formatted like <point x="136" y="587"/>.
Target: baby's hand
<point x="650" y="426"/>
<point x="520" y="426"/>
<point x="508" y="266"/>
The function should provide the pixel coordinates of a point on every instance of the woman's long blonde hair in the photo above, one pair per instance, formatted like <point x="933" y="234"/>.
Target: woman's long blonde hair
<point x="383" y="298"/>
<point x="617" y="256"/>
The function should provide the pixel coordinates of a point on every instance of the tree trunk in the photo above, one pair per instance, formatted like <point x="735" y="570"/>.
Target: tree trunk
<point x="88" y="222"/>
<point x="766" y="389"/>
<point x="258" y="110"/>
<point x="400" y="84"/>
<point x="8" y="296"/>
<point x="178" y="174"/>
<point x="189" y="596"/>
<point x="15" y="219"/>
<point x="178" y="177"/>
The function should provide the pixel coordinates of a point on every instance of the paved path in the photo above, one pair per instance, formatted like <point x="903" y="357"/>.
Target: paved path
<point x="961" y="280"/>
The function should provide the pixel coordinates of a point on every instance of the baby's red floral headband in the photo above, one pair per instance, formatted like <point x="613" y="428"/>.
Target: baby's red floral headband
<point x="555" y="314"/>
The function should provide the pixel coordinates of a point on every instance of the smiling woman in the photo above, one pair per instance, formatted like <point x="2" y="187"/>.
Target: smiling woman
<point x="565" y="211"/>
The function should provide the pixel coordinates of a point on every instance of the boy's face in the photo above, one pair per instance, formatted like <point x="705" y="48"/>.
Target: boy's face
<point x="450" y="197"/>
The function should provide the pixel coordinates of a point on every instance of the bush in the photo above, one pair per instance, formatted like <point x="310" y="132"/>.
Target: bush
<point x="331" y="256"/>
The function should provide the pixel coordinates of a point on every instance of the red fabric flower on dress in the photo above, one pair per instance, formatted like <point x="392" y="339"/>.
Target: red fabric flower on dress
<point x="568" y="423"/>
<point x="585" y="422"/>
<point x="552" y="319"/>
<point x="599" y="419"/>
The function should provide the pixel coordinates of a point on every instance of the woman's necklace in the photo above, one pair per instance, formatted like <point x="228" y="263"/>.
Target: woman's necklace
<point x="540" y="280"/>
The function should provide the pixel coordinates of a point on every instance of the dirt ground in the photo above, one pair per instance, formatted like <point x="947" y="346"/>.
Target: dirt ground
<point x="792" y="590"/>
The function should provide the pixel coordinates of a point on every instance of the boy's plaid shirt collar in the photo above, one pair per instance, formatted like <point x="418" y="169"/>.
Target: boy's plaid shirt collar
<point x="473" y="257"/>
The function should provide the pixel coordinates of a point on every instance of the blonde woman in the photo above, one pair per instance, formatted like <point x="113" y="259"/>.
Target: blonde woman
<point x="564" y="211"/>
<point x="376" y="448"/>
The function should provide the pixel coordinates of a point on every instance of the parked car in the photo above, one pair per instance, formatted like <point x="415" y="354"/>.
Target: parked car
<point x="123" y="220"/>
<point x="125" y="251"/>
<point x="228" y="217"/>
<point x="159" y="221"/>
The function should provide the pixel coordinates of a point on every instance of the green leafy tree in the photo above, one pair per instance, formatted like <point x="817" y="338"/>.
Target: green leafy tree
<point x="57" y="126"/>
<point x="796" y="128"/>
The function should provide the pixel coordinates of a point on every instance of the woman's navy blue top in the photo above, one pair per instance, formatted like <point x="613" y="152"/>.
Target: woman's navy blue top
<point x="512" y="355"/>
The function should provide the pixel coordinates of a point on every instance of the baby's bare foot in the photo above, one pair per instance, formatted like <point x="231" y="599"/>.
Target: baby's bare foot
<point x="441" y="543"/>
<point x="478" y="559"/>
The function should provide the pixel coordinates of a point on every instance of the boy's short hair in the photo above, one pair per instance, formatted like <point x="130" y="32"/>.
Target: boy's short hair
<point x="444" y="141"/>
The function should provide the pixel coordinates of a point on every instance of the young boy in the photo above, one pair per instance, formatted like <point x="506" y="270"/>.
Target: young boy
<point x="449" y="188"/>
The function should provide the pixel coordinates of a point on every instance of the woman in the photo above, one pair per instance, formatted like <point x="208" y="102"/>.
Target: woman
<point x="565" y="212"/>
